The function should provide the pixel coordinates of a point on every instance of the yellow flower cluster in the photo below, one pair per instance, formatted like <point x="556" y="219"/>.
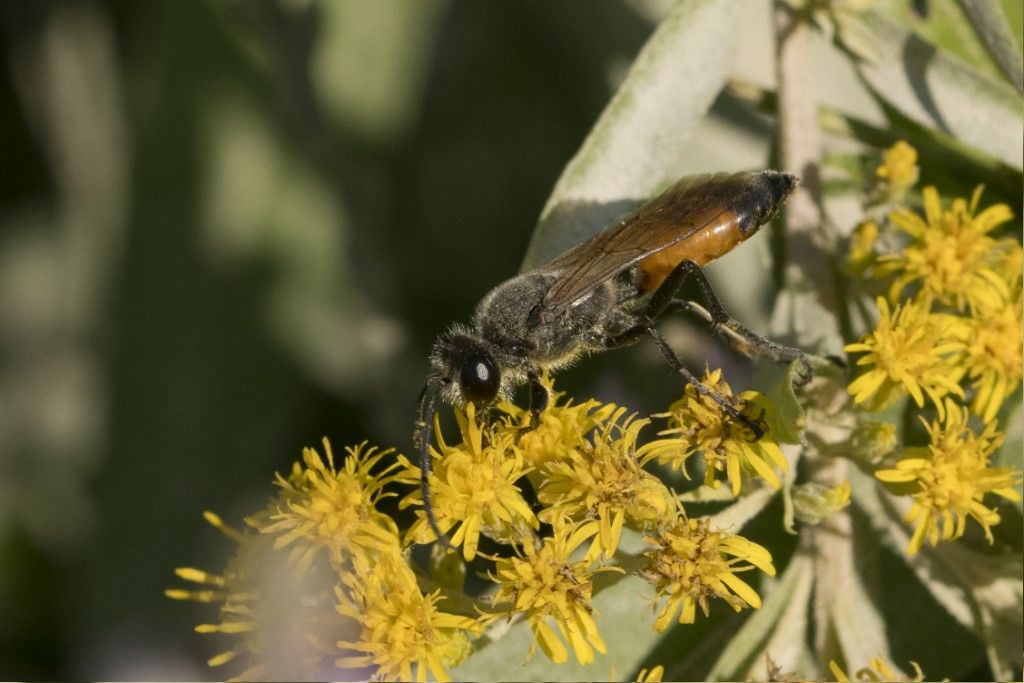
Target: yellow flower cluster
<point x="691" y="563"/>
<point x="697" y="424"/>
<point x="949" y="335"/>
<point x="323" y="585"/>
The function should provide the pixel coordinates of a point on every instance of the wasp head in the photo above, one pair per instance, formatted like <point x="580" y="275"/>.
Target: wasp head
<point x="463" y="368"/>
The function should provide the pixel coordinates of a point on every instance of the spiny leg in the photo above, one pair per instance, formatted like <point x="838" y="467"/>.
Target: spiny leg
<point x="645" y="327"/>
<point x="738" y="335"/>
<point x="539" y="398"/>
<point x="755" y="425"/>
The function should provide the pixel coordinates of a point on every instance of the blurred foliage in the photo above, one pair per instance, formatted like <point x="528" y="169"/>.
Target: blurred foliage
<point x="228" y="228"/>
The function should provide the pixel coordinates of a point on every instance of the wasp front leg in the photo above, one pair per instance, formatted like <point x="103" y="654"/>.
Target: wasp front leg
<point x="539" y="397"/>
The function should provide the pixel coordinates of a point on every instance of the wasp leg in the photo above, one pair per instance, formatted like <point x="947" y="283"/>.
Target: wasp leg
<point x="756" y="426"/>
<point x="645" y="327"/>
<point x="538" y="397"/>
<point x="739" y="336"/>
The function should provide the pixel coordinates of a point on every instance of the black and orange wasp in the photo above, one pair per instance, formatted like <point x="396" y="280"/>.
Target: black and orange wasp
<point x="606" y="292"/>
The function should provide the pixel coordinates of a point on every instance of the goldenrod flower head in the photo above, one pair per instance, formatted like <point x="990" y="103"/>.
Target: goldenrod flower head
<point x="899" y="170"/>
<point x="602" y="479"/>
<point x="324" y="507"/>
<point x="949" y="478"/>
<point x="995" y="346"/>
<point x="951" y="253"/>
<point x="910" y="350"/>
<point x="653" y="675"/>
<point x="562" y="427"/>
<point x="284" y="620"/>
<point x="697" y="424"/>
<point x="691" y="563"/>
<point x="545" y="583"/>
<point x="401" y="633"/>
<point x="877" y="670"/>
<point x="473" y="486"/>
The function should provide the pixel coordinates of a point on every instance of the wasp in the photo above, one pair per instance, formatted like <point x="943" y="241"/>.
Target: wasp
<point x="605" y="293"/>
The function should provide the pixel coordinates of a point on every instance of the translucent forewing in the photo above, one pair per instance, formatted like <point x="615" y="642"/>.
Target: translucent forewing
<point x="699" y="218"/>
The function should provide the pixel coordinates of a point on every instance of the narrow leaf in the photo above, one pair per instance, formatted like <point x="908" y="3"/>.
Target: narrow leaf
<point x="778" y="629"/>
<point x="989" y="22"/>
<point x="936" y="89"/>
<point x="630" y="151"/>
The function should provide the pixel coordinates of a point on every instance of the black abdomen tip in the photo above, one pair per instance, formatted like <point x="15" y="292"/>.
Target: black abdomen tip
<point x="782" y="184"/>
<point x="766" y="191"/>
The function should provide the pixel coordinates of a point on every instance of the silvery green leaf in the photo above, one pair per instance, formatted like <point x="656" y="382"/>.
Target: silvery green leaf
<point x="982" y="591"/>
<point x="734" y="517"/>
<point x="938" y="90"/>
<point x="629" y="152"/>
<point x="843" y="596"/>
<point x="989" y="22"/>
<point x="777" y="630"/>
<point x="1009" y="454"/>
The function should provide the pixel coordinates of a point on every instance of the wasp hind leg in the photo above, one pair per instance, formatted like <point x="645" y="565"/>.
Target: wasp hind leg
<point x="742" y="339"/>
<point x="645" y="327"/>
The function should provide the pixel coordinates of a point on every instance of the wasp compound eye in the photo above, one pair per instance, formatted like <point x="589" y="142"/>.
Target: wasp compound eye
<point x="479" y="379"/>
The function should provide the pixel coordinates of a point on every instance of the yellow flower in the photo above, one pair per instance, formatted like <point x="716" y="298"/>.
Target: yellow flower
<point x="545" y="584"/>
<point x="473" y="486"/>
<point x="690" y="564"/>
<point x="951" y="253"/>
<point x="949" y="478"/>
<point x="561" y="429"/>
<point x="910" y="350"/>
<point x="323" y="507"/>
<point x="603" y="480"/>
<point x="995" y="346"/>
<point x="284" y="620"/>
<point x="877" y="670"/>
<point x="653" y="675"/>
<point x="898" y="170"/>
<point x="401" y="632"/>
<point x="697" y="423"/>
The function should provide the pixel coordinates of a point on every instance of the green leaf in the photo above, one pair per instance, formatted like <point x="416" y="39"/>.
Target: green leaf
<point x="982" y="591"/>
<point x="990" y="23"/>
<point x="630" y="151"/>
<point x="779" y="629"/>
<point x="1009" y="454"/>
<point x="938" y="90"/>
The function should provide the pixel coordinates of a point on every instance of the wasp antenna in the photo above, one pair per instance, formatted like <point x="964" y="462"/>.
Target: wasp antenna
<point x="424" y="435"/>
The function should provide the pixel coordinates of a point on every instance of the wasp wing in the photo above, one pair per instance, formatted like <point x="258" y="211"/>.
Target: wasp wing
<point x="692" y="204"/>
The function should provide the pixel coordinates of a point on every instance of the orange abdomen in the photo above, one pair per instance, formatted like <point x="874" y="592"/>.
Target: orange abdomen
<point x="701" y="247"/>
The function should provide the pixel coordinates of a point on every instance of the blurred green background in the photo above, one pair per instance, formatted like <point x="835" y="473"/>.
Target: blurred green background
<point x="228" y="229"/>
